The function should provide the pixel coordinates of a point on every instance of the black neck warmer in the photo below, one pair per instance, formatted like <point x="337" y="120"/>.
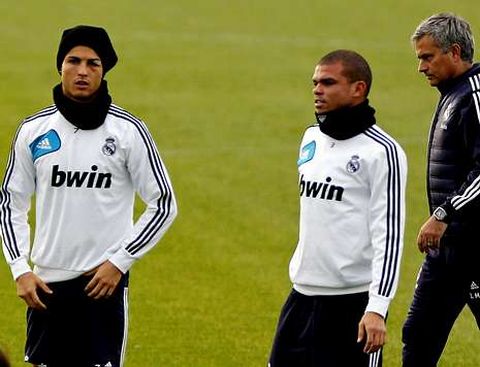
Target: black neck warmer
<point x="347" y="122"/>
<point x="85" y="116"/>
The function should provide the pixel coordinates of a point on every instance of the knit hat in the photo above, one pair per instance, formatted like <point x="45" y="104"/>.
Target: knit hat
<point x="94" y="37"/>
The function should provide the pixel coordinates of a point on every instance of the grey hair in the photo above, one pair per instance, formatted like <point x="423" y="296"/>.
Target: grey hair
<point x="447" y="29"/>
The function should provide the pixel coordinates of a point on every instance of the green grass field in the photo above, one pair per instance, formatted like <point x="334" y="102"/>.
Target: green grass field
<point x="225" y="88"/>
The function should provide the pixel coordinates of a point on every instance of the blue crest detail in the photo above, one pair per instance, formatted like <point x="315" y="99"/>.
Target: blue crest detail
<point x="307" y="153"/>
<point x="45" y="144"/>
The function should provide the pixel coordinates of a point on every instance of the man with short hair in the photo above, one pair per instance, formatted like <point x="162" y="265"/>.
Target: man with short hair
<point x="352" y="211"/>
<point x="84" y="159"/>
<point x="450" y="275"/>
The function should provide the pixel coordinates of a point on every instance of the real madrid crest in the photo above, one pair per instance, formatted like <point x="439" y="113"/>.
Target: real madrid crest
<point x="353" y="164"/>
<point x="109" y="147"/>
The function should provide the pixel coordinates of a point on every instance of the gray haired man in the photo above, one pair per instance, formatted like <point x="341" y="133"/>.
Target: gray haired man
<point x="450" y="275"/>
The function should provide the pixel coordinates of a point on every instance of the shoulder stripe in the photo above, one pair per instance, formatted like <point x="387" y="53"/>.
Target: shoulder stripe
<point x="475" y="84"/>
<point x="165" y="201"/>
<point x="50" y="110"/>
<point x="393" y="235"/>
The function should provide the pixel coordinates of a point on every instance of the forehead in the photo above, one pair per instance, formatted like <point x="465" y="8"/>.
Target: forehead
<point x="82" y="52"/>
<point x="332" y="70"/>
<point x="426" y="44"/>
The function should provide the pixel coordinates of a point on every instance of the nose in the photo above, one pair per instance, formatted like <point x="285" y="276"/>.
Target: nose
<point x="82" y="68"/>
<point x="317" y="89"/>
<point x="422" y="66"/>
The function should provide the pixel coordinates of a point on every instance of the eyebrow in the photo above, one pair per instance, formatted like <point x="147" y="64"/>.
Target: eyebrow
<point x="424" y="55"/>
<point x="327" y="79"/>
<point x="84" y="58"/>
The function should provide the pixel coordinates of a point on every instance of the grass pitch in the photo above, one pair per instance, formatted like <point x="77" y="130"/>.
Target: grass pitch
<point x="225" y="88"/>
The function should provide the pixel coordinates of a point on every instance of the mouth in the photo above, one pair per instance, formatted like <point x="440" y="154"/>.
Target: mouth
<point x="81" y="83"/>
<point x="318" y="102"/>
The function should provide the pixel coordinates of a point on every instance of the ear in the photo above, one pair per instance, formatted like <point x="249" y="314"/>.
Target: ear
<point x="359" y="89"/>
<point x="456" y="52"/>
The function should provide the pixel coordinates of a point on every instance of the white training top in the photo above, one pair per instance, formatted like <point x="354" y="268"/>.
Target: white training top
<point x="352" y="215"/>
<point x="84" y="183"/>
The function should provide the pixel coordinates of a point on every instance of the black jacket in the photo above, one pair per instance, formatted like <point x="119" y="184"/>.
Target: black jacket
<point x="453" y="179"/>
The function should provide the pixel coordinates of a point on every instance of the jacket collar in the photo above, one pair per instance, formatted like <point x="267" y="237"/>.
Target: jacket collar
<point x="449" y="85"/>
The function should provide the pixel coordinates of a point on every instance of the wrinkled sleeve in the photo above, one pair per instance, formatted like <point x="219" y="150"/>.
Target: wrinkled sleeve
<point x="17" y="189"/>
<point x="467" y="196"/>
<point x="152" y="183"/>
<point x="387" y="222"/>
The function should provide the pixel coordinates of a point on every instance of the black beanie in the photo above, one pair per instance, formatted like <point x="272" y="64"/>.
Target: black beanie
<point x="94" y="37"/>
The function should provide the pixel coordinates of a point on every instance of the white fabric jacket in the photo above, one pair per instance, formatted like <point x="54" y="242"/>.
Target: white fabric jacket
<point x="352" y="215"/>
<point x="84" y="182"/>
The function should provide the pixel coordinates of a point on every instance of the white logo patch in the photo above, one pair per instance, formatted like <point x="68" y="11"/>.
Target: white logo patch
<point x="109" y="148"/>
<point x="353" y="164"/>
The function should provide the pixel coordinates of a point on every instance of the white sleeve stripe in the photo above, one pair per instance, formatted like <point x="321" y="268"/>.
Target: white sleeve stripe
<point x="8" y="233"/>
<point x="164" y="202"/>
<point x="471" y="192"/>
<point x="7" y="228"/>
<point x="392" y="250"/>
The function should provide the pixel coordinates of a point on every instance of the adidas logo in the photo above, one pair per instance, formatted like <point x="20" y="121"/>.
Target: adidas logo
<point x="44" y="144"/>
<point x="474" y="286"/>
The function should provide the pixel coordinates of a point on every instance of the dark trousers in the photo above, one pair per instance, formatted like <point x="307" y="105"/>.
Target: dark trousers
<point x="443" y="289"/>
<point x="76" y="330"/>
<point x="321" y="331"/>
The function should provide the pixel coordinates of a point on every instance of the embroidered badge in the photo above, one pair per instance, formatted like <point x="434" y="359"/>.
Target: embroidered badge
<point x="109" y="148"/>
<point x="443" y="120"/>
<point x="353" y="164"/>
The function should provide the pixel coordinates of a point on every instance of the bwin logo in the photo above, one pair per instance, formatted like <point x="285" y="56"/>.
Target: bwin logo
<point x="98" y="180"/>
<point x="322" y="190"/>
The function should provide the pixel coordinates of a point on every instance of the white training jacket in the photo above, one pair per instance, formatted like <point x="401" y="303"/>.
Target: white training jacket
<point x="84" y="182"/>
<point x="352" y="216"/>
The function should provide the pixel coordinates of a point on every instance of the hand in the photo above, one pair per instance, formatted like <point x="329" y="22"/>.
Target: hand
<point x="105" y="279"/>
<point x="372" y="327"/>
<point x="27" y="285"/>
<point x="430" y="234"/>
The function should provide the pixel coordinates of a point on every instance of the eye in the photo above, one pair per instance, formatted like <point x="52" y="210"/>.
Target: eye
<point x="73" y="60"/>
<point x="328" y="82"/>
<point x="95" y="62"/>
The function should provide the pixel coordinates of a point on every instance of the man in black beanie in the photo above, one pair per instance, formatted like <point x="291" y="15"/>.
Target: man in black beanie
<point x="84" y="159"/>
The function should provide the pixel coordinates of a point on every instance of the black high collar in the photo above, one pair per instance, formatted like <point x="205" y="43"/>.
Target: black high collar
<point x="347" y="122"/>
<point x="85" y="116"/>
